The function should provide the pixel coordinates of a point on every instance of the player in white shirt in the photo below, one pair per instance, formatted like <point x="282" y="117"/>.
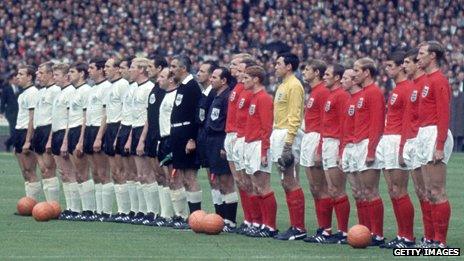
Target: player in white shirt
<point x="122" y="148"/>
<point x="114" y="106"/>
<point x="78" y="73"/>
<point x="42" y="131"/>
<point x="93" y="138"/>
<point x="59" y="142"/>
<point x="145" y="177"/>
<point x="27" y="101"/>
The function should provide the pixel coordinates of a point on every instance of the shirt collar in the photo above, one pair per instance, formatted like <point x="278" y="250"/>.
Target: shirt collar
<point x="187" y="79"/>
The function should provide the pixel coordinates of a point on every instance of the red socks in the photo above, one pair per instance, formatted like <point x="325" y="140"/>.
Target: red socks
<point x="404" y="212"/>
<point x="255" y="209"/>
<point x="426" y="208"/>
<point x="245" y="200"/>
<point x="296" y="208"/>
<point x="363" y="213"/>
<point x="269" y="209"/>
<point x="376" y="216"/>
<point x="324" y="207"/>
<point x="441" y="213"/>
<point x="342" y="211"/>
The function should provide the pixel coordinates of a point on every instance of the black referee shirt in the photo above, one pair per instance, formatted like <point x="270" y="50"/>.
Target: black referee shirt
<point x="154" y="102"/>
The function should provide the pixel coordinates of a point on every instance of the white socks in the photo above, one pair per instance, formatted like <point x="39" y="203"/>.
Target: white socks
<point x="51" y="188"/>
<point x="72" y="197"/>
<point x="216" y="196"/>
<point x="107" y="198"/>
<point x="33" y="189"/>
<point x="169" y="209"/>
<point x="98" y="197"/>
<point x="195" y="196"/>
<point x="122" y="198"/>
<point x="134" y="200"/>
<point x="179" y="202"/>
<point x="87" y="193"/>
<point x="150" y="191"/>
<point x="141" y="198"/>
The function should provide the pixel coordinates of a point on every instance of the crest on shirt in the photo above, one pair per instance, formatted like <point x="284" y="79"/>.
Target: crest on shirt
<point x="201" y="114"/>
<point x="215" y="113"/>
<point x="152" y="98"/>
<point x="94" y="99"/>
<point x="327" y="106"/>
<point x="252" y="109"/>
<point x="414" y="96"/>
<point x="232" y="96"/>
<point x="393" y="98"/>
<point x="351" y="110"/>
<point x="179" y="99"/>
<point x="241" y="103"/>
<point x="74" y="106"/>
<point x="310" y="102"/>
<point x="280" y="96"/>
<point x="425" y="91"/>
<point x="360" y="102"/>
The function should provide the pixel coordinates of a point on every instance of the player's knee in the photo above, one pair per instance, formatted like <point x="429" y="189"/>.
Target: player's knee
<point x="437" y="195"/>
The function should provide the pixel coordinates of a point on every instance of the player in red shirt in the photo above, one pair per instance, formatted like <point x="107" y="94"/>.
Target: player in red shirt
<point x="332" y="136"/>
<point x="388" y="152"/>
<point x="368" y="128"/>
<point x="434" y="139"/>
<point x="346" y="163"/>
<point x="409" y="140"/>
<point x="257" y="154"/>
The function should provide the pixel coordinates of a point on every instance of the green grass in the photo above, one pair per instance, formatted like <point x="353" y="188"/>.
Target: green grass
<point x="22" y="237"/>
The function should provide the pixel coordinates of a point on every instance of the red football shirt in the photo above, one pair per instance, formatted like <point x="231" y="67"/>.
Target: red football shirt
<point x="314" y="108"/>
<point x="243" y="104"/>
<point x="260" y="120"/>
<point x="348" y="123"/>
<point x="434" y="106"/>
<point x="232" y="107"/>
<point x="396" y="109"/>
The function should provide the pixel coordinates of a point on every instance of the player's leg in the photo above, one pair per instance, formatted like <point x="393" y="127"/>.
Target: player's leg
<point x="142" y="168"/>
<point x="229" y="196"/>
<point x="267" y="203"/>
<point x="426" y="206"/>
<point x="179" y="199"/>
<point x="150" y="191"/>
<point x="27" y="163"/>
<point x="194" y="193"/>
<point x="130" y="170"/>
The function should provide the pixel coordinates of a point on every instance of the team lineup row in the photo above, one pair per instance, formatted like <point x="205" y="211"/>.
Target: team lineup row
<point x="146" y="126"/>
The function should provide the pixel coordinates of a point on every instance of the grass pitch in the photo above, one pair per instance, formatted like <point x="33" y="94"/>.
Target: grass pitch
<point x="24" y="238"/>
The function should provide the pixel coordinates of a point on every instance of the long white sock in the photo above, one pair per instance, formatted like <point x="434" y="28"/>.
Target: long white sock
<point x="195" y="196"/>
<point x="122" y="198"/>
<point x="150" y="191"/>
<point x="107" y="198"/>
<point x="141" y="198"/>
<point x="98" y="197"/>
<point x="67" y="195"/>
<point x="87" y="192"/>
<point x="162" y="200"/>
<point x="179" y="202"/>
<point x="75" y="197"/>
<point x="33" y="189"/>
<point x="168" y="202"/>
<point x="216" y="196"/>
<point x="133" y="196"/>
<point x="51" y="189"/>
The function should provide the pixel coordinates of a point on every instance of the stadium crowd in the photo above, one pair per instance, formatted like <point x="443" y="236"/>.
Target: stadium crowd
<point x="37" y="31"/>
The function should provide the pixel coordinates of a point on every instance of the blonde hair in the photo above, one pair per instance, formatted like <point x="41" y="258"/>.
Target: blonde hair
<point x="64" y="68"/>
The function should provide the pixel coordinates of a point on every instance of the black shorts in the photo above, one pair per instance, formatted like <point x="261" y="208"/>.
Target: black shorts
<point x="122" y="138"/>
<point x="136" y="133"/>
<point x="180" y="159"/>
<point x="90" y="135"/>
<point x="202" y="149"/>
<point x="165" y="151"/>
<point x="109" y="138"/>
<point x="218" y="165"/>
<point x="19" y="137"/>
<point x="73" y="138"/>
<point x="57" y="141"/>
<point x="40" y="138"/>
<point x="151" y="145"/>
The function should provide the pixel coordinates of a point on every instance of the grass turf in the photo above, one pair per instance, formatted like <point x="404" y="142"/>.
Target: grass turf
<point x="22" y="237"/>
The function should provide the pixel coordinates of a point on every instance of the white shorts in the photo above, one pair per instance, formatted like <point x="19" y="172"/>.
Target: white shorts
<point x="348" y="159"/>
<point x="296" y="148"/>
<point x="253" y="158"/>
<point x="229" y="142"/>
<point x="360" y="155"/>
<point x="410" y="154"/>
<point x="309" y="145"/>
<point x="238" y="156"/>
<point x="388" y="151"/>
<point x="330" y="151"/>
<point x="278" y="137"/>
<point x="426" y="144"/>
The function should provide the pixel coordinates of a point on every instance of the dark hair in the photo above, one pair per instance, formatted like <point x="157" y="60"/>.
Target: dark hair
<point x="397" y="57"/>
<point x="160" y="61"/>
<point x="212" y="66"/>
<point x="128" y="60"/>
<point x="99" y="62"/>
<point x="256" y="71"/>
<point x="292" y="59"/>
<point x="318" y="65"/>
<point x="30" y="70"/>
<point x="225" y="74"/>
<point x="184" y="61"/>
<point x="412" y="53"/>
<point x="438" y="49"/>
<point x="338" y="70"/>
<point x="81" y="67"/>
<point x="116" y="61"/>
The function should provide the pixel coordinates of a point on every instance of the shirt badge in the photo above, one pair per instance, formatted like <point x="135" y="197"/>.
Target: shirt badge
<point x="241" y="103"/>
<point x="414" y="96"/>
<point x="310" y="103"/>
<point x="179" y="99"/>
<point x="252" y="109"/>
<point x="425" y="91"/>
<point x="152" y="98"/>
<point x="215" y="113"/>
<point x="201" y="114"/>
<point x="393" y="98"/>
<point x="327" y="106"/>
<point x="360" y="103"/>
<point x="232" y="96"/>
<point x="351" y="110"/>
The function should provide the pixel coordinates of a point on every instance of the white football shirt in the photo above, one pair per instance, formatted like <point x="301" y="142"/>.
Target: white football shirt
<point x="140" y="103"/>
<point x="77" y="105"/>
<point x="165" y="113"/>
<point x="43" y="110"/>
<point x="114" y="100"/>
<point x="60" y="108"/>
<point x="127" y="101"/>
<point x="27" y="100"/>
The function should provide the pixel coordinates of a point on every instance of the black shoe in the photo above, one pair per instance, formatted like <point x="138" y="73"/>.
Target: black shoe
<point x="377" y="242"/>
<point x="104" y="217"/>
<point x="85" y="216"/>
<point x="131" y="214"/>
<point x="229" y="228"/>
<point x="337" y="238"/>
<point x="389" y="245"/>
<point x="292" y="233"/>
<point x="74" y="216"/>
<point x="149" y="219"/>
<point x="180" y="223"/>
<point x="319" y="237"/>
<point x="169" y="222"/>
<point x="64" y="214"/>
<point x="403" y="243"/>
<point x="424" y="243"/>
<point x="125" y="218"/>
<point x="252" y="231"/>
<point x="265" y="232"/>
<point x="160" y="222"/>
<point x="138" y="218"/>
<point x="241" y="229"/>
